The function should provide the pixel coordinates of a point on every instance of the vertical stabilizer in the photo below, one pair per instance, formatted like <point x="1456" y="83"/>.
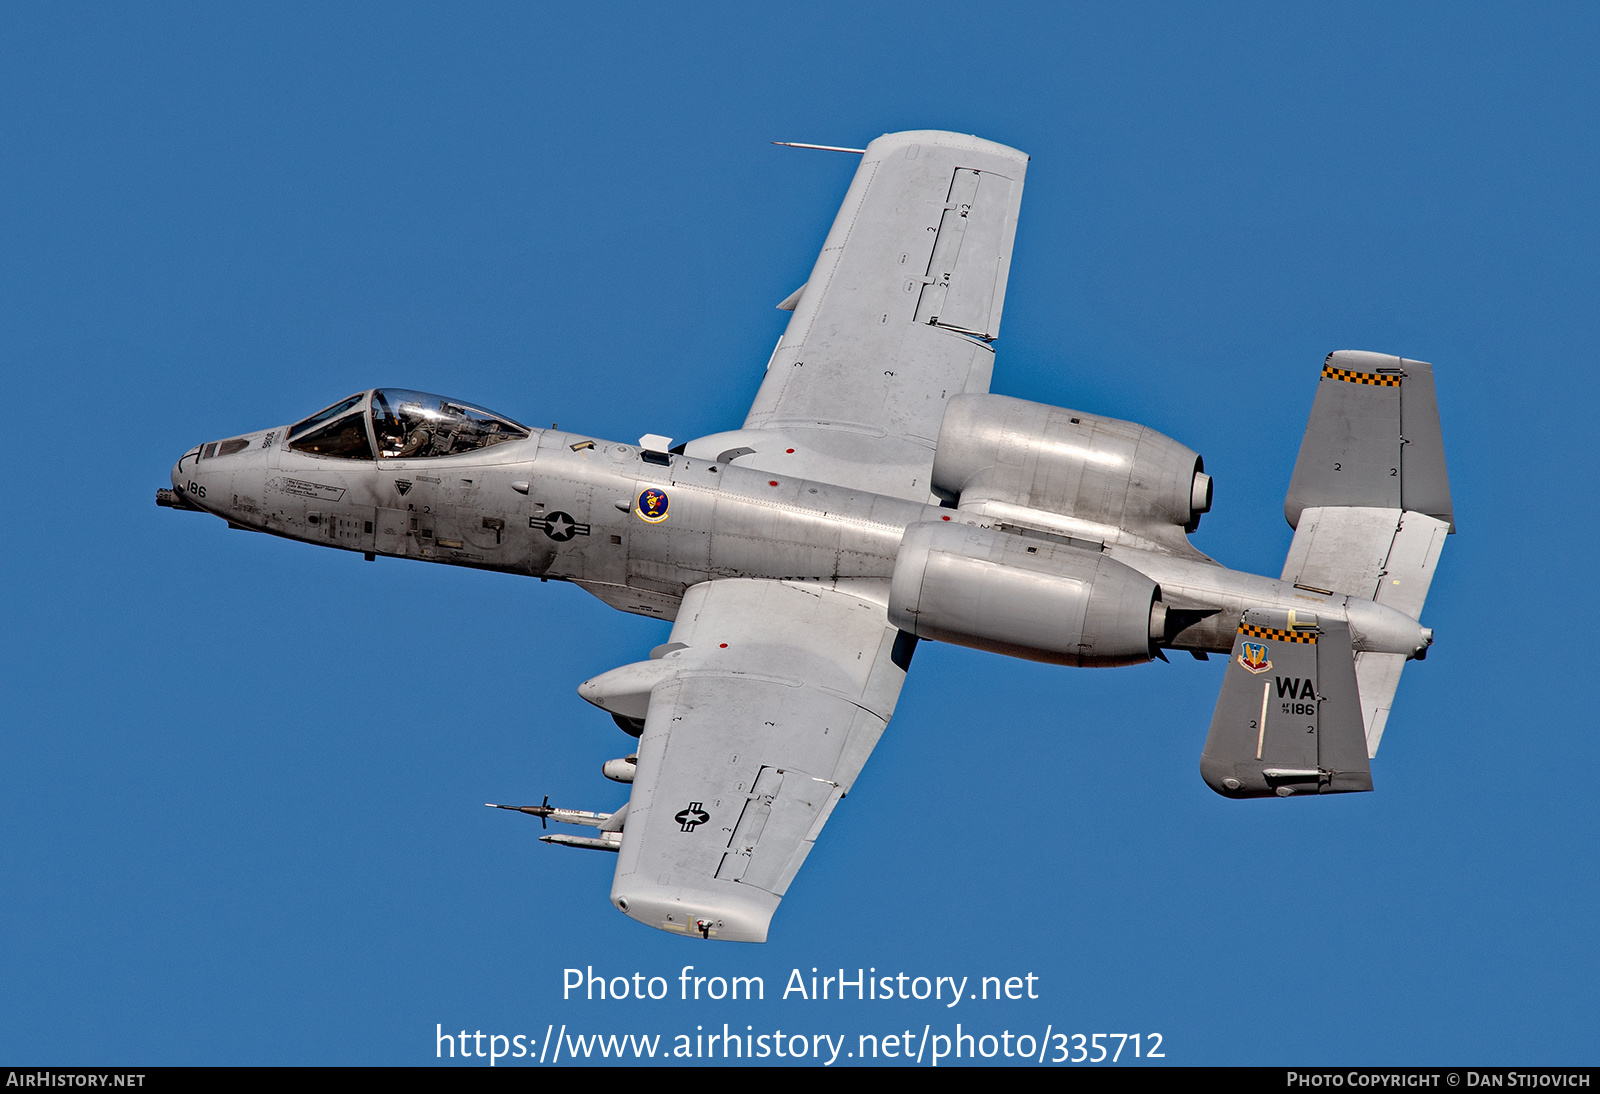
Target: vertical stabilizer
<point x="1370" y="501"/>
<point x="1288" y="720"/>
<point x="1373" y="440"/>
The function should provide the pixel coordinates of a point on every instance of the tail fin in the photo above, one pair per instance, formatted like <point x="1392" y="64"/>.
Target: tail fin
<point x="1288" y="720"/>
<point x="1370" y="500"/>
<point x="1373" y="440"/>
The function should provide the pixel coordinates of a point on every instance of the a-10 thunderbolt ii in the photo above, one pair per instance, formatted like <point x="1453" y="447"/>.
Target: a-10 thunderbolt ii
<point x="878" y="494"/>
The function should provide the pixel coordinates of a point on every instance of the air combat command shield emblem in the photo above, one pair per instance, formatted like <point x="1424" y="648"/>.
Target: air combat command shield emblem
<point x="1254" y="657"/>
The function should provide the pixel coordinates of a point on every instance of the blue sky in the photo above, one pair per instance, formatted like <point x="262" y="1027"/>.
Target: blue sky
<point x="242" y="816"/>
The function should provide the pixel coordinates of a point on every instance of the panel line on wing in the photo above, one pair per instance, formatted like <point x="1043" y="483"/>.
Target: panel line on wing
<point x="963" y="270"/>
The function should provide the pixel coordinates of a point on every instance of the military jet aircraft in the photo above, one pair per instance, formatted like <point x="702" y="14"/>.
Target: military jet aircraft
<point x="877" y="494"/>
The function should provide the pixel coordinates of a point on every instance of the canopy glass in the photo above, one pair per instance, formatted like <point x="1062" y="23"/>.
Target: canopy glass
<point x="400" y="424"/>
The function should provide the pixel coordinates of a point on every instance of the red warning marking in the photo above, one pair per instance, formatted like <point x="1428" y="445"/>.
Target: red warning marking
<point x="774" y="482"/>
<point x="789" y="450"/>
<point x="723" y="646"/>
<point x="944" y="518"/>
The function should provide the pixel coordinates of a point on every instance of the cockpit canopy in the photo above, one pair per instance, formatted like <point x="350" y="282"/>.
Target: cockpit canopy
<point x="400" y="424"/>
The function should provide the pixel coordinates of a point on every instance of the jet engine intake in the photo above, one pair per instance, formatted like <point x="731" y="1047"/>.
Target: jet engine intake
<point x="1027" y="597"/>
<point x="1003" y="453"/>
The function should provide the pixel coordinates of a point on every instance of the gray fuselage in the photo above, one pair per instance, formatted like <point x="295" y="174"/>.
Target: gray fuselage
<point x="567" y="507"/>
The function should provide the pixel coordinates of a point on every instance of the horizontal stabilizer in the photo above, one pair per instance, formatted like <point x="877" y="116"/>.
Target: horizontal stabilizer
<point x="1377" y="679"/>
<point x="1387" y="555"/>
<point x="1288" y="720"/>
<point x="1384" y="555"/>
<point x="1373" y="440"/>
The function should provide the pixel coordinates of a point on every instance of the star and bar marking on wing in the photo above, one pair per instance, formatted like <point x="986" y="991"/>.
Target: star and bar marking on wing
<point x="692" y="816"/>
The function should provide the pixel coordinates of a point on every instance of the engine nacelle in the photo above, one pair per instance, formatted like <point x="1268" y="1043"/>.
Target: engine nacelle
<point x="996" y="452"/>
<point x="1024" y="596"/>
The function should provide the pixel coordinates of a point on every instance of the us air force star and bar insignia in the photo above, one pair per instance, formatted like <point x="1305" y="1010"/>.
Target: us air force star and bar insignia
<point x="691" y="816"/>
<point x="652" y="507"/>
<point x="558" y="526"/>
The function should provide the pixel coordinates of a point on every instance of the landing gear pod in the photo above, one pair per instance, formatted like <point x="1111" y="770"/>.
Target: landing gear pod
<point x="1288" y="720"/>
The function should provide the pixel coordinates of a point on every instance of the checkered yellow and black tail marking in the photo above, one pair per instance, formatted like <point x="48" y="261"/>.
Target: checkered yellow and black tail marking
<point x="1279" y="636"/>
<point x="1381" y="379"/>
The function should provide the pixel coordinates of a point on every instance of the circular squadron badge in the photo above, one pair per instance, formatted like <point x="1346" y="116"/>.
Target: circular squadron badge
<point x="652" y="507"/>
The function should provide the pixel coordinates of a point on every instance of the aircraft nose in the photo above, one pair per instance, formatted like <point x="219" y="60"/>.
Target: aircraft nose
<point x="183" y="483"/>
<point x="183" y="470"/>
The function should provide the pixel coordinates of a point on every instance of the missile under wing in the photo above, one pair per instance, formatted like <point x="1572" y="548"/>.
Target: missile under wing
<point x="772" y="696"/>
<point x="758" y="717"/>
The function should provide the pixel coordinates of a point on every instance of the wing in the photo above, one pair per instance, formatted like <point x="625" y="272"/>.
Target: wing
<point x="897" y="316"/>
<point x="758" y="716"/>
